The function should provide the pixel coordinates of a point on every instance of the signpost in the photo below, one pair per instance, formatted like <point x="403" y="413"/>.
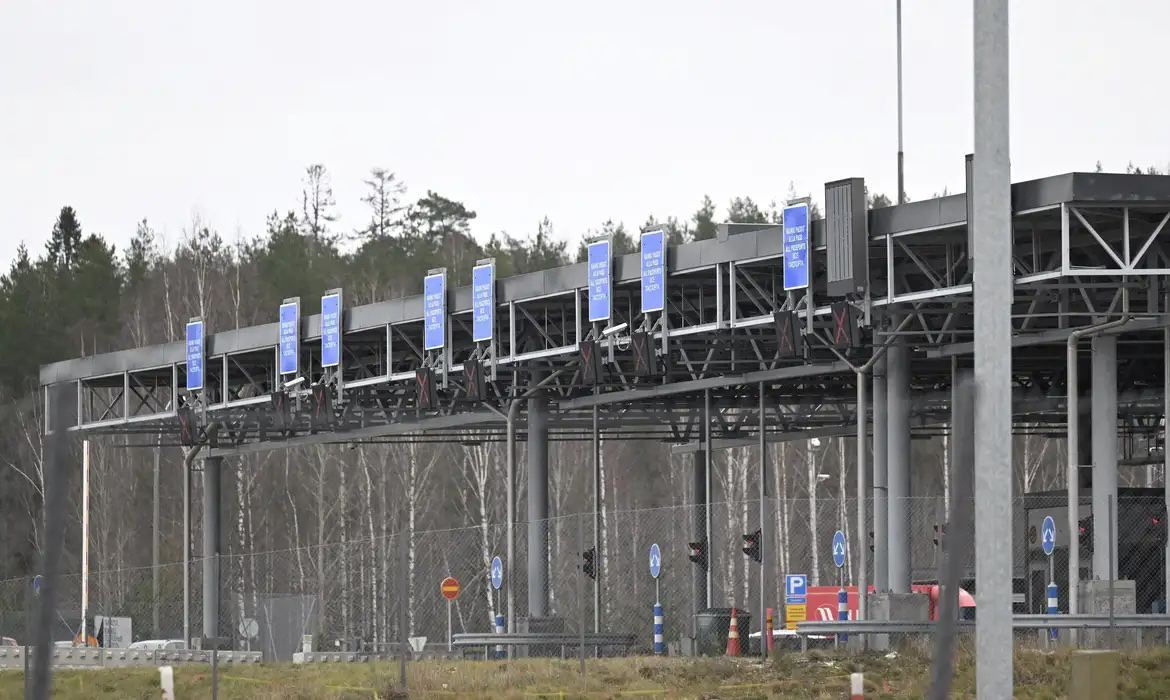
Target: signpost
<point x="1048" y="535"/>
<point x="600" y="299"/>
<point x="795" y="600"/>
<point x="796" y="246"/>
<point x="1048" y="544"/>
<point x="483" y="301"/>
<point x="435" y="310"/>
<point x="37" y="582"/>
<point x="195" y="348"/>
<point x="450" y="590"/>
<point x="653" y="271"/>
<point x="839" y="549"/>
<point x="331" y="329"/>
<point x="497" y="573"/>
<point x="290" y="335"/>
<point x="655" y="566"/>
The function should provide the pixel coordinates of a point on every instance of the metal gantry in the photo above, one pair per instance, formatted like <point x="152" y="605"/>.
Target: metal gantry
<point x="1085" y="249"/>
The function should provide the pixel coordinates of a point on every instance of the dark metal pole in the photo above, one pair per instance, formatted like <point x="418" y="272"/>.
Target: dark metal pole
<point x="707" y="490"/>
<point x="211" y="545"/>
<point x="581" y="591"/>
<point x="57" y="471"/>
<point x="766" y="541"/>
<point x="598" y="490"/>
<point x="404" y="593"/>
<point x="154" y="544"/>
<point x="901" y="171"/>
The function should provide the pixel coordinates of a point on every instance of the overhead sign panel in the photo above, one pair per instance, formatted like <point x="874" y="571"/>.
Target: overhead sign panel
<point x="653" y="271"/>
<point x="483" y="302"/>
<point x="435" y="310"/>
<point x="195" y="347"/>
<point x="600" y="299"/>
<point x="331" y="329"/>
<point x="846" y="237"/>
<point x="290" y="336"/>
<point x="796" y="245"/>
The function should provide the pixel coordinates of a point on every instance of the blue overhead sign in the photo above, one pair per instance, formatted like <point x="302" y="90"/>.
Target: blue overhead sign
<point x="653" y="271"/>
<point x="655" y="560"/>
<point x="796" y="245"/>
<point x="839" y="549"/>
<point x="331" y="329"/>
<point x="290" y="336"/>
<point x="497" y="573"/>
<point x="195" y="364"/>
<point x="599" y="281"/>
<point x="483" y="302"/>
<point x="435" y="311"/>
<point x="1048" y="535"/>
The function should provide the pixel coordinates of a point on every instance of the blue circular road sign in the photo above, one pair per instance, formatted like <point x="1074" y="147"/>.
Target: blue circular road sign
<point x="37" y="582"/>
<point x="655" y="560"/>
<point x="497" y="573"/>
<point x="1048" y="535"/>
<point x="839" y="548"/>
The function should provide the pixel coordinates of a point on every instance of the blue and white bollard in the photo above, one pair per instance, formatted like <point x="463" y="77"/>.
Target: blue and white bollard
<point x="500" y="630"/>
<point x="843" y="610"/>
<point x="1053" y="607"/>
<point x="659" y="639"/>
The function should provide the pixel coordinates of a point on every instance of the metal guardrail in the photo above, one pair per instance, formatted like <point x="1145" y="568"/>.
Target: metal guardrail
<point x="478" y="639"/>
<point x="350" y="657"/>
<point x="87" y="657"/>
<point x="1019" y="622"/>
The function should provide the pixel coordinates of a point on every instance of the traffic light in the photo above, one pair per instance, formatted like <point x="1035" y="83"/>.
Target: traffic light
<point x="846" y="326"/>
<point x="589" y="566"/>
<point x="321" y="415"/>
<point x="939" y="534"/>
<point x="788" y="336"/>
<point x="281" y="408"/>
<point x="871" y="540"/>
<point x="590" y="362"/>
<point x="699" y="553"/>
<point x="187" y="427"/>
<point x="1085" y="537"/>
<point x="476" y="382"/>
<point x="424" y="379"/>
<point x="751" y="545"/>
<point x="644" y="356"/>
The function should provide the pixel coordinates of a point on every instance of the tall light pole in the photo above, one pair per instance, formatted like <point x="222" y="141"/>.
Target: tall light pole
<point x="901" y="159"/>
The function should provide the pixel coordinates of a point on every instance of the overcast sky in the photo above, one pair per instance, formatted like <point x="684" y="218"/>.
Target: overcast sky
<point x="578" y="111"/>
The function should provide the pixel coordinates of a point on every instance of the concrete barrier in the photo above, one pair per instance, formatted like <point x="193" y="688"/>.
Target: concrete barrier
<point x="89" y="657"/>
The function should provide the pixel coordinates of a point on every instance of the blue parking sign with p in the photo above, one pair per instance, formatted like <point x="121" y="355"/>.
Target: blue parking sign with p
<point x="795" y="586"/>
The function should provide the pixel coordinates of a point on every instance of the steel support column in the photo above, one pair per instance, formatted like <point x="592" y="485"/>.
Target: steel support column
<point x="881" y="510"/>
<point x="898" y="464"/>
<point x="211" y="545"/>
<point x="767" y="542"/>
<point x="993" y="289"/>
<point x="1166" y="461"/>
<point x="1104" y="431"/>
<point x="708" y="456"/>
<point x="538" y="522"/>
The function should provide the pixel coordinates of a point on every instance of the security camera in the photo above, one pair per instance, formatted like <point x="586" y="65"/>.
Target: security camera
<point x="294" y="382"/>
<point x="614" y="329"/>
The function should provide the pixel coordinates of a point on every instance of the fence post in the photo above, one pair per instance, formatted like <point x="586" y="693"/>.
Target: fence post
<point x="843" y="610"/>
<point x="500" y="630"/>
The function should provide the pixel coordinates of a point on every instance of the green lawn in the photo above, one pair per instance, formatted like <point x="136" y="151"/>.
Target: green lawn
<point x="1145" y="674"/>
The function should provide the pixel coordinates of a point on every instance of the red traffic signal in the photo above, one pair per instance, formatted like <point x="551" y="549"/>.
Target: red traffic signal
<point x="699" y="553"/>
<point x="589" y="566"/>
<point x="751" y="545"/>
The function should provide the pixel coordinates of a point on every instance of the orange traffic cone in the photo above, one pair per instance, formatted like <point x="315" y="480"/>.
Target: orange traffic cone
<point x="733" y="636"/>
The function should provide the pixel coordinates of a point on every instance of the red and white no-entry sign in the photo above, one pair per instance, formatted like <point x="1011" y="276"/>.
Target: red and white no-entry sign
<point x="450" y="588"/>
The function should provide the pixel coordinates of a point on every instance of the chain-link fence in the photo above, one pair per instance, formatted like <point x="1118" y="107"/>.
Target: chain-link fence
<point x="360" y="593"/>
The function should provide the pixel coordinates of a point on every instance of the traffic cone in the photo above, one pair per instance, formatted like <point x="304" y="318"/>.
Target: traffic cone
<point x="733" y="636"/>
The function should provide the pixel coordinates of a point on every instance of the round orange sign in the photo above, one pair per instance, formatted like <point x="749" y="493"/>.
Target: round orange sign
<point x="450" y="588"/>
